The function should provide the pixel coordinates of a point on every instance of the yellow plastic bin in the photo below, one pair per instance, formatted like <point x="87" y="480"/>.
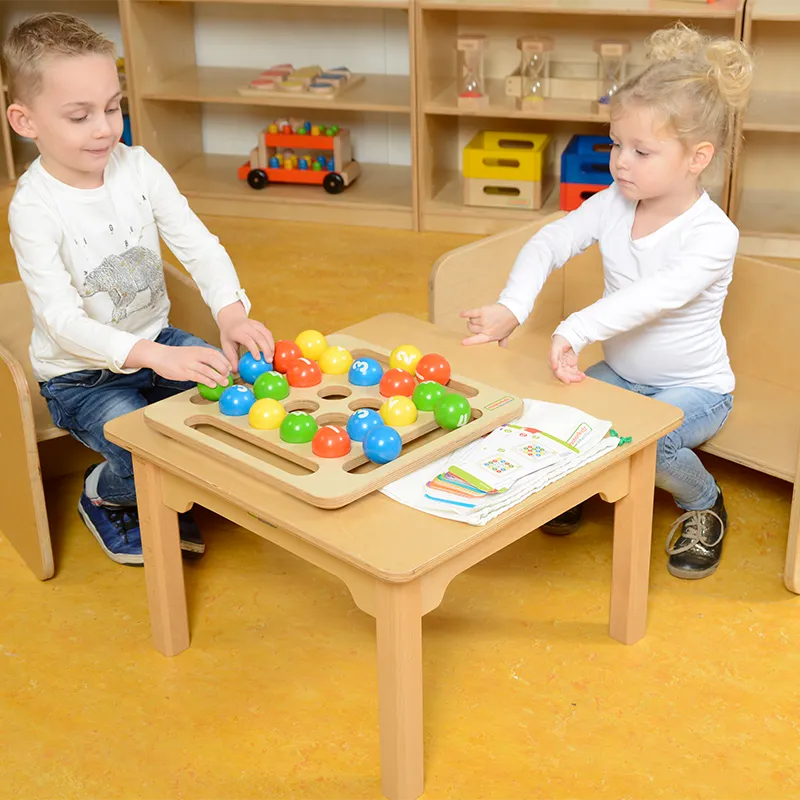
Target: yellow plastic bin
<point x="494" y="155"/>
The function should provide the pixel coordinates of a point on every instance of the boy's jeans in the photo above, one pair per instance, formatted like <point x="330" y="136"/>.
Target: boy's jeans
<point x="678" y="469"/>
<point x="82" y="402"/>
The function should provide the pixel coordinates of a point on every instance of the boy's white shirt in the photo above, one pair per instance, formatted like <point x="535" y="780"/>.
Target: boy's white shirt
<point x="659" y="317"/>
<point x="91" y="261"/>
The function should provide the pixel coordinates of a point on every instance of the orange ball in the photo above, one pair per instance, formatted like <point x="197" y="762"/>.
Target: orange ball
<point x="303" y="372"/>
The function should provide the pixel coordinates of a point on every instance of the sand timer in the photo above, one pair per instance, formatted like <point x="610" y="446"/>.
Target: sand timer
<point x="534" y="68"/>
<point x="612" y="68"/>
<point x="471" y="82"/>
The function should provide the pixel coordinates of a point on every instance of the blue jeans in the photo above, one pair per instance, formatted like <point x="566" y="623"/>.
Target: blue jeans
<point x="678" y="469"/>
<point x="82" y="402"/>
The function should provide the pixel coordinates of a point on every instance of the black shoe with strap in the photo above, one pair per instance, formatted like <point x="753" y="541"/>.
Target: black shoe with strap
<point x="565" y="523"/>
<point x="698" y="550"/>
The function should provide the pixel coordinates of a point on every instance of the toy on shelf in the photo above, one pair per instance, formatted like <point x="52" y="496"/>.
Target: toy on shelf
<point x="471" y="82"/>
<point x="508" y="170"/>
<point x="283" y="79"/>
<point x="295" y="151"/>
<point x="584" y="169"/>
<point x="534" y="69"/>
<point x="612" y="70"/>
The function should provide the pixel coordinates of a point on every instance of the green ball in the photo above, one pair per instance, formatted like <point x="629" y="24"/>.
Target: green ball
<point x="332" y="131"/>
<point x="298" y="427"/>
<point x="301" y="131"/>
<point x="426" y="394"/>
<point x="272" y="385"/>
<point x="452" y="411"/>
<point x="316" y="166"/>
<point x="213" y="393"/>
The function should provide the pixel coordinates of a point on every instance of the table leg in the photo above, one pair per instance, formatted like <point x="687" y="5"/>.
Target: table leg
<point x="163" y="567"/>
<point x="633" y="531"/>
<point x="399" y="631"/>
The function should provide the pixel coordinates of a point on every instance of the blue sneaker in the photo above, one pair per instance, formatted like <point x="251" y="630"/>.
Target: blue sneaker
<point x="116" y="530"/>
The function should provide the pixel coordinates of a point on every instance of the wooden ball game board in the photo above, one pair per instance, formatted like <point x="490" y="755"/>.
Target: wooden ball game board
<point x="284" y="80"/>
<point x="323" y="482"/>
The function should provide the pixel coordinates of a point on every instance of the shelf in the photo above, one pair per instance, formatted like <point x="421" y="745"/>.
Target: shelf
<point x="773" y="111"/>
<point x="390" y="4"/>
<point x="775" y="10"/>
<point x="769" y="212"/>
<point x="378" y="93"/>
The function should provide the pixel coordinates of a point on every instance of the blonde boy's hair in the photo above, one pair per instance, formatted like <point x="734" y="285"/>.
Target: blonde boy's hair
<point x="37" y="39"/>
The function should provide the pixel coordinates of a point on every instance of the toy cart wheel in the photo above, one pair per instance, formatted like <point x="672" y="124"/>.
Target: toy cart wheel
<point x="257" y="178"/>
<point x="333" y="183"/>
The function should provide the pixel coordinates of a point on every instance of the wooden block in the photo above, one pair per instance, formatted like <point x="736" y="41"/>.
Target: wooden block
<point x="503" y="194"/>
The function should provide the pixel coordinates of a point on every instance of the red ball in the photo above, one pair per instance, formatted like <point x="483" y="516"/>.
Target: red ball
<point x="285" y="353"/>
<point x="330" y="441"/>
<point x="302" y="373"/>
<point x="397" y="381"/>
<point x="287" y="129"/>
<point x="433" y="367"/>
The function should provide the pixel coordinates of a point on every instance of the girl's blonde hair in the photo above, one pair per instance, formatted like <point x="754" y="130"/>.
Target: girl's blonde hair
<point x="695" y="81"/>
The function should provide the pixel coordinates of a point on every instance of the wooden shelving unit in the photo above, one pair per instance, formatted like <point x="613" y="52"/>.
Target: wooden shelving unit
<point x="765" y="196"/>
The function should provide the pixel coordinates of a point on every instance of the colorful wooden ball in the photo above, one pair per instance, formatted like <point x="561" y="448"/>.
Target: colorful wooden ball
<point x="405" y="357"/>
<point x="433" y="367"/>
<point x="285" y="353"/>
<point x="315" y="130"/>
<point x="365" y="372"/>
<point x="452" y="411"/>
<point x="213" y="393"/>
<point x="236" y="401"/>
<point x="298" y="427"/>
<point x="397" y="381"/>
<point x="250" y="369"/>
<point x="362" y="422"/>
<point x="330" y="441"/>
<point x="312" y="344"/>
<point x="335" y="360"/>
<point x="382" y="445"/>
<point x="266" y="414"/>
<point x="272" y="385"/>
<point x="427" y="394"/>
<point x="303" y="372"/>
<point x="316" y="167"/>
<point x="399" y="411"/>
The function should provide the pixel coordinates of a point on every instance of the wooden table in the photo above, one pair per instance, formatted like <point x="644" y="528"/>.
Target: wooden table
<point x="397" y="562"/>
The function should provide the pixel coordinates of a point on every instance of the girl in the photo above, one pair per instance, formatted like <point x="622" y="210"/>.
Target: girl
<point x="668" y="253"/>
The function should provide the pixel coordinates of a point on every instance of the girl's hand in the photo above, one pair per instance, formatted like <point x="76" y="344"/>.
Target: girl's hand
<point x="493" y="323"/>
<point x="235" y="328"/>
<point x="564" y="361"/>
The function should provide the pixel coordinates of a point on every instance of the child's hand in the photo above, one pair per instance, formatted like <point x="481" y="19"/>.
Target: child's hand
<point x="564" y="361"/>
<point x="199" y="364"/>
<point x="235" y="328"/>
<point x="493" y="323"/>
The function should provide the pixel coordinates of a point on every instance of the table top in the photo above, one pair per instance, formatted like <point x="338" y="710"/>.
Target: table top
<point x="375" y="533"/>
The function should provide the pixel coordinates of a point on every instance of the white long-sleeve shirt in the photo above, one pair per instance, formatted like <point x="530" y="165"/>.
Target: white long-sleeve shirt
<point x="91" y="261"/>
<point x="659" y="317"/>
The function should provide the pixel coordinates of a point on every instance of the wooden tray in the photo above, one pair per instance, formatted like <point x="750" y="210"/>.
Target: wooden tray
<point x="324" y="482"/>
<point x="334" y="91"/>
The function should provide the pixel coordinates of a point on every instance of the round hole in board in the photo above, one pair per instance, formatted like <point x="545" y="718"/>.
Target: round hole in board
<point x="334" y="392"/>
<point x="340" y="420"/>
<point x="366" y="402"/>
<point x="309" y="406"/>
<point x="199" y="400"/>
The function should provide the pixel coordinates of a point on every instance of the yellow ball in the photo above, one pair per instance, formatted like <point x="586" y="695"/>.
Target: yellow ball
<point x="335" y="360"/>
<point x="398" y="411"/>
<point x="405" y="357"/>
<point x="266" y="414"/>
<point x="312" y="344"/>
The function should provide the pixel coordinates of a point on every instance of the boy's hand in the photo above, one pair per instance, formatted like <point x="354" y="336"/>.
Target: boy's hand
<point x="493" y="323"/>
<point x="235" y="328"/>
<point x="197" y="364"/>
<point x="564" y="361"/>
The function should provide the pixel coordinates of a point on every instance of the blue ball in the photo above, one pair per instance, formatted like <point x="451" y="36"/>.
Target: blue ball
<point x="382" y="445"/>
<point x="236" y="401"/>
<point x="365" y="372"/>
<point x="250" y="369"/>
<point x="362" y="422"/>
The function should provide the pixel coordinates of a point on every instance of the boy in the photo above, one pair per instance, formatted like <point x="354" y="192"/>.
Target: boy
<point x="85" y="223"/>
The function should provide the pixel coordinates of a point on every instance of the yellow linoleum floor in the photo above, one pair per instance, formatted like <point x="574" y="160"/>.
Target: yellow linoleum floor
<point x="525" y="694"/>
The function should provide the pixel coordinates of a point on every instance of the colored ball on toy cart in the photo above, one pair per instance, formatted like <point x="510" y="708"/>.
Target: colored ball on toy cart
<point x="303" y="163"/>
<point x="365" y="372"/>
<point x="427" y="394"/>
<point x="316" y="167"/>
<point x="271" y="385"/>
<point x="321" y="159"/>
<point x="362" y="422"/>
<point x="335" y="360"/>
<point x="236" y="401"/>
<point x="285" y="353"/>
<point x="312" y="344"/>
<point x="274" y="163"/>
<point x="298" y="427"/>
<point x="273" y="128"/>
<point x="213" y="393"/>
<point x="452" y="411"/>
<point x="315" y="130"/>
<point x="330" y="441"/>
<point x="397" y="381"/>
<point x="266" y="414"/>
<point x="332" y="131"/>
<point x="250" y="369"/>
<point x="382" y="445"/>
<point x="301" y="131"/>
<point x="303" y="372"/>
<point x="399" y="411"/>
<point x="405" y="357"/>
<point x="433" y="367"/>
<point x="331" y="165"/>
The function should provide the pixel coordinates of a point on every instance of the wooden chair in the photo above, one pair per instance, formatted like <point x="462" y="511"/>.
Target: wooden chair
<point x="31" y="446"/>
